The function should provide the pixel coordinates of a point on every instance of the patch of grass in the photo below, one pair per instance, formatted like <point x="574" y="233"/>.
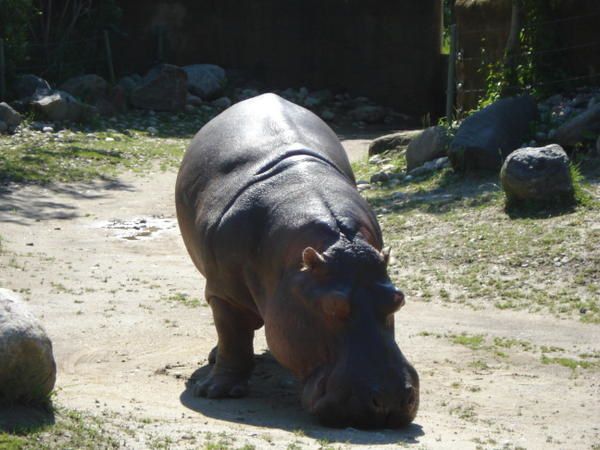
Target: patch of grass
<point x="71" y="430"/>
<point x="12" y="442"/>
<point x="473" y="342"/>
<point x="96" y="151"/>
<point x="185" y="300"/>
<point x="453" y="243"/>
<point x="571" y="363"/>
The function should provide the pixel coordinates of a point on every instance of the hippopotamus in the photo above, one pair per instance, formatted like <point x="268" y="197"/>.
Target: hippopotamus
<point x="269" y="212"/>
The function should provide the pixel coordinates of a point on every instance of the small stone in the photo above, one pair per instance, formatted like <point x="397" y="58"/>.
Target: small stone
<point x="48" y="129"/>
<point x="222" y="103"/>
<point x="328" y="115"/>
<point x="375" y="159"/>
<point x="380" y="177"/>
<point x="153" y="131"/>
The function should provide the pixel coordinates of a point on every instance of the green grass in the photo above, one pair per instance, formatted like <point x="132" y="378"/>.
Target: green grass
<point x="185" y="300"/>
<point x="103" y="149"/>
<point x="71" y="430"/>
<point x="571" y="363"/>
<point x="453" y="243"/>
<point x="473" y="342"/>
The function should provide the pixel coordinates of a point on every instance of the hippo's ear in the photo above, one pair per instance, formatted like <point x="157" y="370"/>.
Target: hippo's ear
<point x="385" y="254"/>
<point x="312" y="259"/>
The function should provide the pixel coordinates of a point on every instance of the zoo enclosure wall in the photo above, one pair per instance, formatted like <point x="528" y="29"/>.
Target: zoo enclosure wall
<point x="483" y="28"/>
<point x="387" y="50"/>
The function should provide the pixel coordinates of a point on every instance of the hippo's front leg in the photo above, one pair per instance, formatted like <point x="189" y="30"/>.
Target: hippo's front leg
<point x="235" y="355"/>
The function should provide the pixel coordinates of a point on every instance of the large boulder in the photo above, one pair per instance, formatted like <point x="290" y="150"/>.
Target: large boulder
<point x="487" y="137"/>
<point x="368" y="114"/>
<point x="87" y="88"/>
<point x="59" y="105"/>
<point x="27" y="367"/>
<point x="164" y="88"/>
<point x="206" y="81"/>
<point x="394" y="141"/>
<point x="428" y="146"/>
<point x="95" y="90"/>
<point x="10" y="117"/>
<point x="537" y="176"/>
<point x="584" y="126"/>
<point x="26" y="85"/>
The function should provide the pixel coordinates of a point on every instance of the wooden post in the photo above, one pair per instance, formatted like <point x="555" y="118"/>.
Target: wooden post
<point x="109" y="61"/>
<point x="451" y="87"/>
<point x="2" y="71"/>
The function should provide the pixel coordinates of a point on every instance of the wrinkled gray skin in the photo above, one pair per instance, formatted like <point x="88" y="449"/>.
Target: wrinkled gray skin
<point x="269" y="212"/>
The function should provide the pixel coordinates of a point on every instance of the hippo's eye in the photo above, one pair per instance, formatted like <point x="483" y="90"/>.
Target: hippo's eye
<point x="336" y="305"/>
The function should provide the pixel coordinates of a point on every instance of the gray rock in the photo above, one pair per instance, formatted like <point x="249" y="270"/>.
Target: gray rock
<point x="318" y="98"/>
<point x="95" y="90"/>
<point x="59" y="105"/>
<point x="582" y="126"/>
<point x="430" y="166"/>
<point x="380" y="177"/>
<point x="28" y="370"/>
<point x="222" y="102"/>
<point x="395" y="141"/>
<point x="9" y="116"/>
<point x="207" y="81"/>
<point x="88" y="88"/>
<point x="328" y="115"/>
<point x="368" y="114"/>
<point x="164" y="88"/>
<point x="48" y="129"/>
<point x="537" y="176"/>
<point x="488" y="136"/>
<point x="26" y="85"/>
<point x="249" y="93"/>
<point x="129" y="83"/>
<point x="194" y="100"/>
<point x="429" y="145"/>
<point x="3" y="127"/>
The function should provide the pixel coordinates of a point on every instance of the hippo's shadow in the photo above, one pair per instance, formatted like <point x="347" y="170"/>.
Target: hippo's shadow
<point x="274" y="402"/>
<point x="25" y="419"/>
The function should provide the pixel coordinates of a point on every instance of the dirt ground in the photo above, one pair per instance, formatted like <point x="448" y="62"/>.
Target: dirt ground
<point x="104" y="267"/>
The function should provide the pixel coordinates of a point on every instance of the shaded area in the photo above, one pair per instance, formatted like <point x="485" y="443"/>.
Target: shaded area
<point x="22" y="203"/>
<point x="274" y="402"/>
<point x="446" y="191"/>
<point x="20" y="419"/>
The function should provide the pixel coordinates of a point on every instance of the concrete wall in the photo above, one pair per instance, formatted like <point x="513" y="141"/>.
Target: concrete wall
<point x="388" y="50"/>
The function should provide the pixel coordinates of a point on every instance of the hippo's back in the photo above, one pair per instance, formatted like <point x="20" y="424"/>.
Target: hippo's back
<point x="243" y="141"/>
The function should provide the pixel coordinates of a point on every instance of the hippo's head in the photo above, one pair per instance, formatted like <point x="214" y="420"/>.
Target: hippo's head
<point x="336" y="332"/>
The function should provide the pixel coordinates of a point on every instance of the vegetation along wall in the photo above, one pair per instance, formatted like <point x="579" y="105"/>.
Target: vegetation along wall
<point x="388" y="50"/>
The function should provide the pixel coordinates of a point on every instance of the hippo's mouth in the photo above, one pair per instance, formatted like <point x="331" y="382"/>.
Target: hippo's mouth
<point x="356" y="406"/>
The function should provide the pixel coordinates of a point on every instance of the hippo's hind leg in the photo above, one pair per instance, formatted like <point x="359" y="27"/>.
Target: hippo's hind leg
<point x="234" y="353"/>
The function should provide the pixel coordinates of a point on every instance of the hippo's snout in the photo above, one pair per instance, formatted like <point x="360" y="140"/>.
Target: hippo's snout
<point x="342" y="400"/>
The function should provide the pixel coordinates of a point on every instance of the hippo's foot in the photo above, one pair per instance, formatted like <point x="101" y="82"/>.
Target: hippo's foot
<point x="222" y="385"/>
<point x="212" y="356"/>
